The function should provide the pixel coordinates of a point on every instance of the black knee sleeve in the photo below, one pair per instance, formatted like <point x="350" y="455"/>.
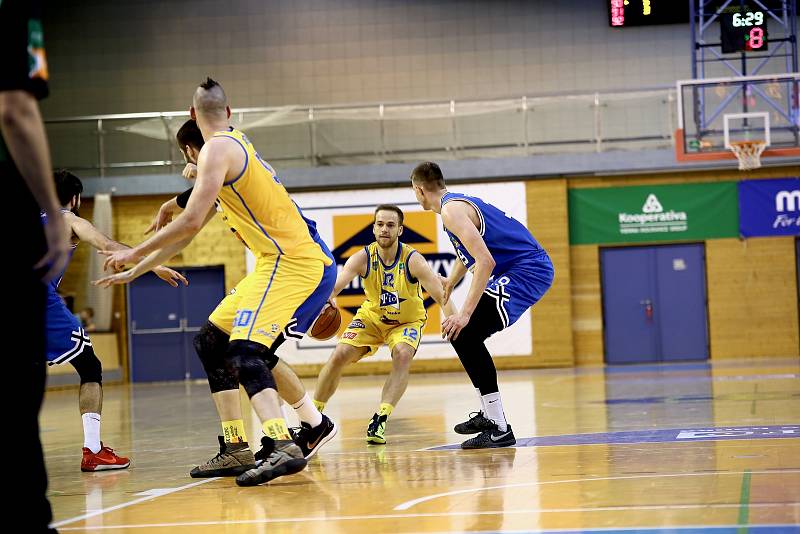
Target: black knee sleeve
<point x="211" y="344"/>
<point x="270" y="358"/>
<point x="246" y="361"/>
<point x="88" y="366"/>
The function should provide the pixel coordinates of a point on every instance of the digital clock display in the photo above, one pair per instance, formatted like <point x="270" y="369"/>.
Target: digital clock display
<point x="744" y="31"/>
<point x="623" y="13"/>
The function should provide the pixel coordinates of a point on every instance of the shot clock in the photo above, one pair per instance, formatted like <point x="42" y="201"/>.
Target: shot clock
<point x="743" y="31"/>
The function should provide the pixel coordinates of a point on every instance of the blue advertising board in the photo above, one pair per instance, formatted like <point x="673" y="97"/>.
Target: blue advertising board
<point x="769" y="207"/>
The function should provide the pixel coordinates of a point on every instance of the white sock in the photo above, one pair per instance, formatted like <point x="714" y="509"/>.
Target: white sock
<point x="307" y="412"/>
<point x="494" y="410"/>
<point x="483" y="408"/>
<point x="91" y="431"/>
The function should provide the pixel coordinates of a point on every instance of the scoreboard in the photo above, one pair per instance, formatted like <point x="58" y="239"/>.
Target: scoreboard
<point x="743" y="31"/>
<point x="624" y="13"/>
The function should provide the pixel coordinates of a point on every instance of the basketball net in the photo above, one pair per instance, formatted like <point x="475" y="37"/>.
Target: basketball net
<point x="748" y="153"/>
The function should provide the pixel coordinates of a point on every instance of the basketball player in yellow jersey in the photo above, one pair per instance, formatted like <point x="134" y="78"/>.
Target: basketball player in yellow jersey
<point x="393" y="313"/>
<point x="292" y="271"/>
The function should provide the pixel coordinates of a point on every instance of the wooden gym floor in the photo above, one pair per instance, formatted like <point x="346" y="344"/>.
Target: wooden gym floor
<point x="673" y="448"/>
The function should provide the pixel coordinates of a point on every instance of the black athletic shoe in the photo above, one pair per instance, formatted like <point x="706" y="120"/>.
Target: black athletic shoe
<point x="283" y="457"/>
<point x="491" y="439"/>
<point x="311" y="439"/>
<point x="477" y="423"/>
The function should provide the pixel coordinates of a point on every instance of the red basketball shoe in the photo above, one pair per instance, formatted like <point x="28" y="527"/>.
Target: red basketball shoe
<point x="103" y="460"/>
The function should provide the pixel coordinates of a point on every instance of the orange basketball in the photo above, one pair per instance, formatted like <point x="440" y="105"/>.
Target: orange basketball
<point x="327" y="324"/>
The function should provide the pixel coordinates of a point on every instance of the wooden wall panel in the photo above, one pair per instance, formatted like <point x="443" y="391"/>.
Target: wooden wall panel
<point x="752" y="297"/>
<point x="547" y="220"/>
<point x="214" y="245"/>
<point x="587" y="309"/>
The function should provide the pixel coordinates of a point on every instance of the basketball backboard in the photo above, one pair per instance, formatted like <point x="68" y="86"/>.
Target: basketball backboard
<point x="714" y="112"/>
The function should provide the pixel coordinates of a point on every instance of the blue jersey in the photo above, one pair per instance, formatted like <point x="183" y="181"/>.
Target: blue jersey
<point x="312" y="231"/>
<point x="66" y="338"/>
<point x="523" y="271"/>
<point x="507" y="239"/>
<point x="52" y="287"/>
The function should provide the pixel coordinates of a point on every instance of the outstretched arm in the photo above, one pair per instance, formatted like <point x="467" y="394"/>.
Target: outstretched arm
<point x="449" y="283"/>
<point x="87" y="232"/>
<point x="431" y="283"/>
<point x="354" y="266"/>
<point x="167" y="211"/>
<point x="214" y="162"/>
<point x="152" y="262"/>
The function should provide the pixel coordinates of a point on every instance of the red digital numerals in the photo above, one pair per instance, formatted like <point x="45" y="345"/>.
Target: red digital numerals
<point x="617" y="12"/>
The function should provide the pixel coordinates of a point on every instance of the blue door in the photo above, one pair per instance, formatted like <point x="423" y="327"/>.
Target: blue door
<point x="206" y="289"/>
<point x="631" y="335"/>
<point x="681" y="302"/>
<point x="654" y="303"/>
<point x="164" y="320"/>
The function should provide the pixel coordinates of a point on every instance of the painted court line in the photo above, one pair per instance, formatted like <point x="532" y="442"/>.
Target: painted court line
<point x="744" y="501"/>
<point x="666" y="435"/>
<point x="408" y="504"/>
<point x="150" y="495"/>
<point x="447" y="514"/>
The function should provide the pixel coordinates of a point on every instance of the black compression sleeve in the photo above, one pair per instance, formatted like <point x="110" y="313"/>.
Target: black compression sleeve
<point x="183" y="198"/>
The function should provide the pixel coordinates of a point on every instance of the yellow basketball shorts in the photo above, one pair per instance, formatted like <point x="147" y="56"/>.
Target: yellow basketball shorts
<point x="262" y="305"/>
<point x="366" y="331"/>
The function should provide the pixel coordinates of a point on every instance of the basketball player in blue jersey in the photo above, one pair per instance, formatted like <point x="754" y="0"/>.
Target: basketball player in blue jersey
<point x="66" y="339"/>
<point x="510" y="273"/>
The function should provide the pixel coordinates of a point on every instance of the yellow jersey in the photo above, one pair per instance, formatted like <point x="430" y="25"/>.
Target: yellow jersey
<point x="393" y="295"/>
<point x="260" y="210"/>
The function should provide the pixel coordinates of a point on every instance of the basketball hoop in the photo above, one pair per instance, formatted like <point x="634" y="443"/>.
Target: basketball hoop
<point x="748" y="153"/>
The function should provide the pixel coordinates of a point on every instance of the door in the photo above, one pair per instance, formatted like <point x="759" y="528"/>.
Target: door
<point x="681" y="297"/>
<point x="654" y="303"/>
<point x="206" y="289"/>
<point x="631" y="335"/>
<point x="164" y="320"/>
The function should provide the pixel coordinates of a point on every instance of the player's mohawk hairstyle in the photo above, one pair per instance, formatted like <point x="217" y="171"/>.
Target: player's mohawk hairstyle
<point x="209" y="83"/>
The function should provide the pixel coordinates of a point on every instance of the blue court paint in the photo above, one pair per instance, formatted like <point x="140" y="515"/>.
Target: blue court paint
<point x="670" y="435"/>
<point x="774" y="395"/>
<point x="649" y="368"/>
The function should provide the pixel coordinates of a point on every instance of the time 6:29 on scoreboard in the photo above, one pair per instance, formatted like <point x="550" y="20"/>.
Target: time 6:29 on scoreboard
<point x="744" y="31"/>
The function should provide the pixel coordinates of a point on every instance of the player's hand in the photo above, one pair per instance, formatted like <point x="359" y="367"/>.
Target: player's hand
<point x="124" y="277"/>
<point x="116" y="259"/>
<point x="452" y="325"/>
<point x="446" y="288"/>
<point x="169" y="276"/>
<point x="163" y="217"/>
<point x="57" y="256"/>
<point x="190" y="171"/>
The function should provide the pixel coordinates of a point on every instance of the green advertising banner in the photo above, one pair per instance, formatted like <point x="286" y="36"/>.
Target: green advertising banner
<point x="653" y="213"/>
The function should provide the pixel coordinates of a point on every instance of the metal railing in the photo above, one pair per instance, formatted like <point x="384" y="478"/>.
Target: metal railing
<point x="310" y="136"/>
